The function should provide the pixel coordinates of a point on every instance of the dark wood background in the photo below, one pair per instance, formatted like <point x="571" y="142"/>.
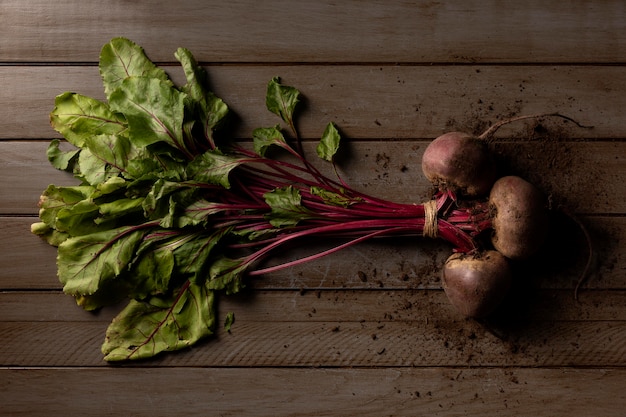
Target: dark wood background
<point x="367" y="331"/>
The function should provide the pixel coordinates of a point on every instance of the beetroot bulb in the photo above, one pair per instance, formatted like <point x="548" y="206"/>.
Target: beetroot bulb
<point x="476" y="284"/>
<point x="519" y="217"/>
<point x="460" y="163"/>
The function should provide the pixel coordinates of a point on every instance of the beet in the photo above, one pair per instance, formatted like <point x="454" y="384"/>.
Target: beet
<point x="460" y="163"/>
<point x="476" y="284"/>
<point x="519" y="217"/>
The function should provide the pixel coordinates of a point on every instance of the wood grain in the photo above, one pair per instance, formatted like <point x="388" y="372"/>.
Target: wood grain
<point x="446" y="392"/>
<point x="366" y="101"/>
<point x="348" y="305"/>
<point x="343" y="328"/>
<point x="351" y="31"/>
<point x="340" y="344"/>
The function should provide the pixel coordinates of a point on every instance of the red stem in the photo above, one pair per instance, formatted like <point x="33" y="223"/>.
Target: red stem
<point x="244" y="208"/>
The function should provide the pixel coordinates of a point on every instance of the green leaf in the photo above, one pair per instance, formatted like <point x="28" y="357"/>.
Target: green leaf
<point x="213" y="167"/>
<point x="197" y="212"/>
<point x="62" y="160"/>
<point x="118" y="208"/>
<point x="86" y="262"/>
<point x="196" y="86"/>
<point x="138" y="168"/>
<point x="151" y="274"/>
<point x="82" y="210"/>
<point x="225" y="274"/>
<point x="110" y="186"/>
<point x="281" y="100"/>
<point x="157" y="201"/>
<point x="145" y="328"/>
<point x="210" y="108"/>
<point x="264" y="137"/>
<point x="39" y="228"/>
<point x="122" y="58"/>
<point x="111" y="149"/>
<point x="110" y="294"/>
<point x="51" y="236"/>
<point x="286" y="205"/>
<point x="78" y="219"/>
<point x="78" y="117"/>
<point x="147" y="166"/>
<point x="177" y="202"/>
<point x="55" y="199"/>
<point x="329" y="144"/>
<point x="229" y="321"/>
<point x="154" y="111"/>
<point x="92" y="169"/>
<point x="192" y="257"/>
<point x="332" y="198"/>
<point x="255" y="234"/>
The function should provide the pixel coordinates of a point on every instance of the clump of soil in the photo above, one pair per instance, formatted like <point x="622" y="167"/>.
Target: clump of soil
<point x="545" y="154"/>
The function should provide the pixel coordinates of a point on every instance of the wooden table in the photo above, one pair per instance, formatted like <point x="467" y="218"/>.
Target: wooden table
<point x="367" y="331"/>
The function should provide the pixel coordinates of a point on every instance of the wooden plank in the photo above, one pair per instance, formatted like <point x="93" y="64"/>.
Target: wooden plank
<point x="26" y="173"/>
<point x="381" y="306"/>
<point x="403" y="263"/>
<point x="26" y="260"/>
<point x="366" y="101"/>
<point x="340" y="328"/>
<point x="276" y="31"/>
<point x="313" y="392"/>
<point x="584" y="176"/>
<point x="339" y="343"/>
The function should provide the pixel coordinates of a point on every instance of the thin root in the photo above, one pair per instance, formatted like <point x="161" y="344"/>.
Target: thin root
<point x="493" y="128"/>
<point x="584" y="275"/>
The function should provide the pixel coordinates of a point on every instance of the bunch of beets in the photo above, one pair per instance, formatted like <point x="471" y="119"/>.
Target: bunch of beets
<point x="170" y="209"/>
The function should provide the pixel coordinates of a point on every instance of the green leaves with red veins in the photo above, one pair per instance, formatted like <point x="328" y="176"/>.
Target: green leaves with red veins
<point x="286" y="207"/>
<point x="154" y="110"/>
<point x="333" y="198"/>
<point x="194" y="256"/>
<point x="225" y="274"/>
<point x="282" y="100"/>
<point x="79" y="117"/>
<point x="177" y="204"/>
<point x="159" y="319"/>
<point x="329" y="144"/>
<point x="56" y="199"/>
<point x="155" y="202"/>
<point x="161" y="323"/>
<point x="104" y="157"/>
<point x="213" y="167"/>
<point x="151" y="273"/>
<point x="199" y="211"/>
<point x="86" y="262"/>
<point x="122" y="58"/>
<point x="113" y="150"/>
<point x="206" y="106"/>
<point x="265" y="137"/>
<point x="79" y="219"/>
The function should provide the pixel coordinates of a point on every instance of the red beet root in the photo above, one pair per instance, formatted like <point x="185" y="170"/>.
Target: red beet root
<point x="476" y="284"/>
<point x="520" y="217"/>
<point x="461" y="163"/>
